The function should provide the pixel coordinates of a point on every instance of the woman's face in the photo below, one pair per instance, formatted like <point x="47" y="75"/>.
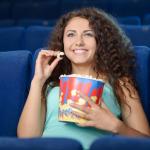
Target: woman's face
<point x="79" y="41"/>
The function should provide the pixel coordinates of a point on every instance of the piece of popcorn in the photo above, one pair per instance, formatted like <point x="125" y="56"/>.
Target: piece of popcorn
<point x="81" y="101"/>
<point x="60" y="55"/>
<point x="73" y="92"/>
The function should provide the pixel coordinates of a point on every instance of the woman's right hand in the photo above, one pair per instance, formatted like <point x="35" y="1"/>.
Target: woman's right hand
<point x="42" y="67"/>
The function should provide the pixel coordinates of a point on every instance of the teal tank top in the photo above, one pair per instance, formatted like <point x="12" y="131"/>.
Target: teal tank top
<point x="85" y="135"/>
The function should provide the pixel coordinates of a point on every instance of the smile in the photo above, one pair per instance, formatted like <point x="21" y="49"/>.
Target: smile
<point x="80" y="51"/>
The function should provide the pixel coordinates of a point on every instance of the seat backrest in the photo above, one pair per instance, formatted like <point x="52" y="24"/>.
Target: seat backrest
<point x="36" y="37"/>
<point x="102" y="4"/>
<point x="142" y="76"/>
<point x="5" y="10"/>
<point x="14" y="86"/>
<point x="36" y="10"/>
<point x="139" y="35"/>
<point x="36" y="22"/>
<point x="11" y="38"/>
<point x="39" y="144"/>
<point x="35" y="55"/>
<point x="129" y="20"/>
<point x="7" y="23"/>
<point x="120" y="143"/>
<point x="146" y="19"/>
<point x="67" y="5"/>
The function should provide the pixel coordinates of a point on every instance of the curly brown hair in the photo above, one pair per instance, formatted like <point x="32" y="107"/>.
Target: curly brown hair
<point x="114" y="54"/>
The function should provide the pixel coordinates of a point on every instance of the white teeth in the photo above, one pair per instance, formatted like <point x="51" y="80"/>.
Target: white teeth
<point x="79" y="51"/>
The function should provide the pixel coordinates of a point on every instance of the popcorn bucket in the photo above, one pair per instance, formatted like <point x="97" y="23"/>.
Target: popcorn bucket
<point x="69" y="85"/>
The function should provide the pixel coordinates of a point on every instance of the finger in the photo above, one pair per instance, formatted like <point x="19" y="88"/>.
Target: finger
<point x="87" y="99"/>
<point x="48" y="55"/>
<point x="81" y="115"/>
<point x="87" y="124"/>
<point x="50" y="52"/>
<point x="43" y="58"/>
<point x="47" y="52"/>
<point x="57" y="54"/>
<point x="82" y="108"/>
<point x="43" y="53"/>
<point x="53" y="64"/>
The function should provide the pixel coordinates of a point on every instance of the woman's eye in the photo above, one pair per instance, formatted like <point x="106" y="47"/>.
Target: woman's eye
<point x="89" y="34"/>
<point x="70" y="34"/>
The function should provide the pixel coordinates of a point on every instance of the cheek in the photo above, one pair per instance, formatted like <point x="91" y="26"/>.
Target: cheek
<point x="91" y="44"/>
<point x="66" y="48"/>
<point x="67" y="44"/>
<point x="94" y="44"/>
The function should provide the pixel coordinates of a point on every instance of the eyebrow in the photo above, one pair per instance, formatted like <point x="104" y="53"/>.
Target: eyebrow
<point x="83" y="31"/>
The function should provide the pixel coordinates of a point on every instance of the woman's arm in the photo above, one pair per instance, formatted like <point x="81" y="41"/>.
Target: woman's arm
<point x="31" y="123"/>
<point x="134" y="119"/>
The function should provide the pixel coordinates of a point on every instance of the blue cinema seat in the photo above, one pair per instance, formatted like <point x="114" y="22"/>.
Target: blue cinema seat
<point x="139" y="35"/>
<point x="129" y="7"/>
<point x="7" y="23"/>
<point x="142" y="76"/>
<point x="121" y="143"/>
<point x="67" y="5"/>
<point x="11" y="38"/>
<point x="146" y="19"/>
<point x="129" y="20"/>
<point x="36" y="37"/>
<point x="39" y="144"/>
<point x="36" y="10"/>
<point x="36" y="22"/>
<point x="14" y="86"/>
<point x="5" y="10"/>
<point x="102" y="4"/>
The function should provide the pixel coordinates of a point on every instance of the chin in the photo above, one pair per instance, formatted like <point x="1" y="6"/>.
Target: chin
<point x="80" y="63"/>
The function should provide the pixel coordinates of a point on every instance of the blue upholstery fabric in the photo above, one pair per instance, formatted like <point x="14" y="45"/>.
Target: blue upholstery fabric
<point x="7" y="23"/>
<point x="129" y="20"/>
<point x="139" y="35"/>
<point x="36" y="37"/>
<point x="146" y="19"/>
<point x="67" y="5"/>
<point x="101" y="4"/>
<point x="39" y="144"/>
<point x="14" y="86"/>
<point x="142" y="76"/>
<point x="36" y="10"/>
<point x="11" y="38"/>
<point x="37" y="22"/>
<point x="124" y="7"/>
<point x="34" y="61"/>
<point x="129" y="7"/>
<point x="5" y="10"/>
<point x="121" y="143"/>
<point x="31" y="38"/>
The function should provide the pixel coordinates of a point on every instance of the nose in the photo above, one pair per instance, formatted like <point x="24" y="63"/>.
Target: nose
<point x="80" y="41"/>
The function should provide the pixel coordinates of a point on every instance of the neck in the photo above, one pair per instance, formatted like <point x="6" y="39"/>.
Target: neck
<point x="83" y="70"/>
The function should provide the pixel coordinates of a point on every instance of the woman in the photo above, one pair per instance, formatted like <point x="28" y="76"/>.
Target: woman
<point x="93" y="45"/>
